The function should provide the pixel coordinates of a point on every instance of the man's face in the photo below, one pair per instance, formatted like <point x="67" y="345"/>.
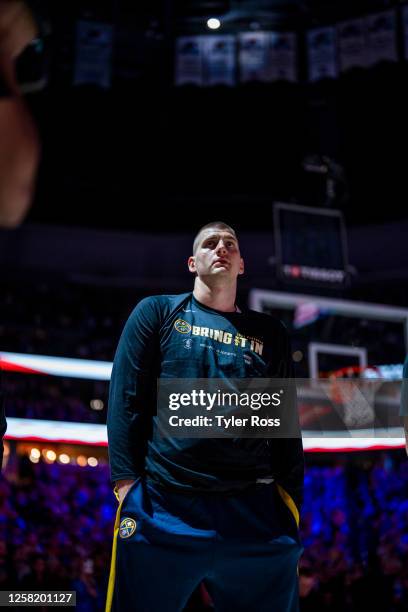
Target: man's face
<point x="217" y="255"/>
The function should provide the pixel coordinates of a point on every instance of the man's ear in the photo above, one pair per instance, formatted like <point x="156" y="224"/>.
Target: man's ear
<point x="191" y="264"/>
<point x="241" y="266"/>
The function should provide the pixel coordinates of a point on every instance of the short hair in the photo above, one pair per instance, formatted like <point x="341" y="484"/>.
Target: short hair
<point x="215" y="224"/>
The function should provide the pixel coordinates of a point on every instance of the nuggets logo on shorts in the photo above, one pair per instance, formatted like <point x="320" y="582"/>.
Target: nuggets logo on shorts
<point x="182" y="326"/>
<point x="127" y="528"/>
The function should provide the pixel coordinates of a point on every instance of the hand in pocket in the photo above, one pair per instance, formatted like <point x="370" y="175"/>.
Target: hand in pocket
<point x="122" y="488"/>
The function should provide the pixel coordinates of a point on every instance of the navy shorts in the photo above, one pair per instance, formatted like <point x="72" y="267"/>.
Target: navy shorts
<point x="244" y="547"/>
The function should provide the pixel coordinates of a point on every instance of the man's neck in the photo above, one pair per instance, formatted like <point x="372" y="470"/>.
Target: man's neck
<point x="220" y="298"/>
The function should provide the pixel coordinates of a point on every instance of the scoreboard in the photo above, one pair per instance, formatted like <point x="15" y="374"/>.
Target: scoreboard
<point x="311" y="247"/>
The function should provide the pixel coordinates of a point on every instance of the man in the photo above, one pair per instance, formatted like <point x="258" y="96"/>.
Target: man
<point x="19" y="142"/>
<point x="220" y="511"/>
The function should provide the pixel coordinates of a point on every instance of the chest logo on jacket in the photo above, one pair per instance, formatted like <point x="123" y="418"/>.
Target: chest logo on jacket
<point x="182" y="326"/>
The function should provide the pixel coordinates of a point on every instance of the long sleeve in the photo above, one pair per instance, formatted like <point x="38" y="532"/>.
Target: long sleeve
<point x="131" y="392"/>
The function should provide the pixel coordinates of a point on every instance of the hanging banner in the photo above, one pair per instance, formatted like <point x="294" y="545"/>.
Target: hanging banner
<point x="381" y="37"/>
<point x="353" y="51"/>
<point x="93" y="61"/>
<point x="322" y="54"/>
<point x="219" y="58"/>
<point x="253" y="56"/>
<point x="189" y="67"/>
<point x="281" y="57"/>
<point x="404" y="18"/>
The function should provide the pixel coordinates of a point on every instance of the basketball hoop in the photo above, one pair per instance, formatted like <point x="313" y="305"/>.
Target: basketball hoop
<point x="353" y="394"/>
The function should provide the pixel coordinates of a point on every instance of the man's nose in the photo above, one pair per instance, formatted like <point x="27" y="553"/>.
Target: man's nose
<point x="221" y="248"/>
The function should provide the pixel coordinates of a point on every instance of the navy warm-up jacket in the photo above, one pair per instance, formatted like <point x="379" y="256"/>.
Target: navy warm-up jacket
<point x="176" y="336"/>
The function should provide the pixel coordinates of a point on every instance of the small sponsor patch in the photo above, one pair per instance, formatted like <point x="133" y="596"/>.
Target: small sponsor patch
<point x="127" y="528"/>
<point x="182" y="326"/>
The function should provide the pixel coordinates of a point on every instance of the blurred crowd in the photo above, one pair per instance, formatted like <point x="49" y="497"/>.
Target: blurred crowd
<point x="68" y="320"/>
<point x="56" y="525"/>
<point x="61" y="320"/>
<point x="355" y="535"/>
<point x="55" y="398"/>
